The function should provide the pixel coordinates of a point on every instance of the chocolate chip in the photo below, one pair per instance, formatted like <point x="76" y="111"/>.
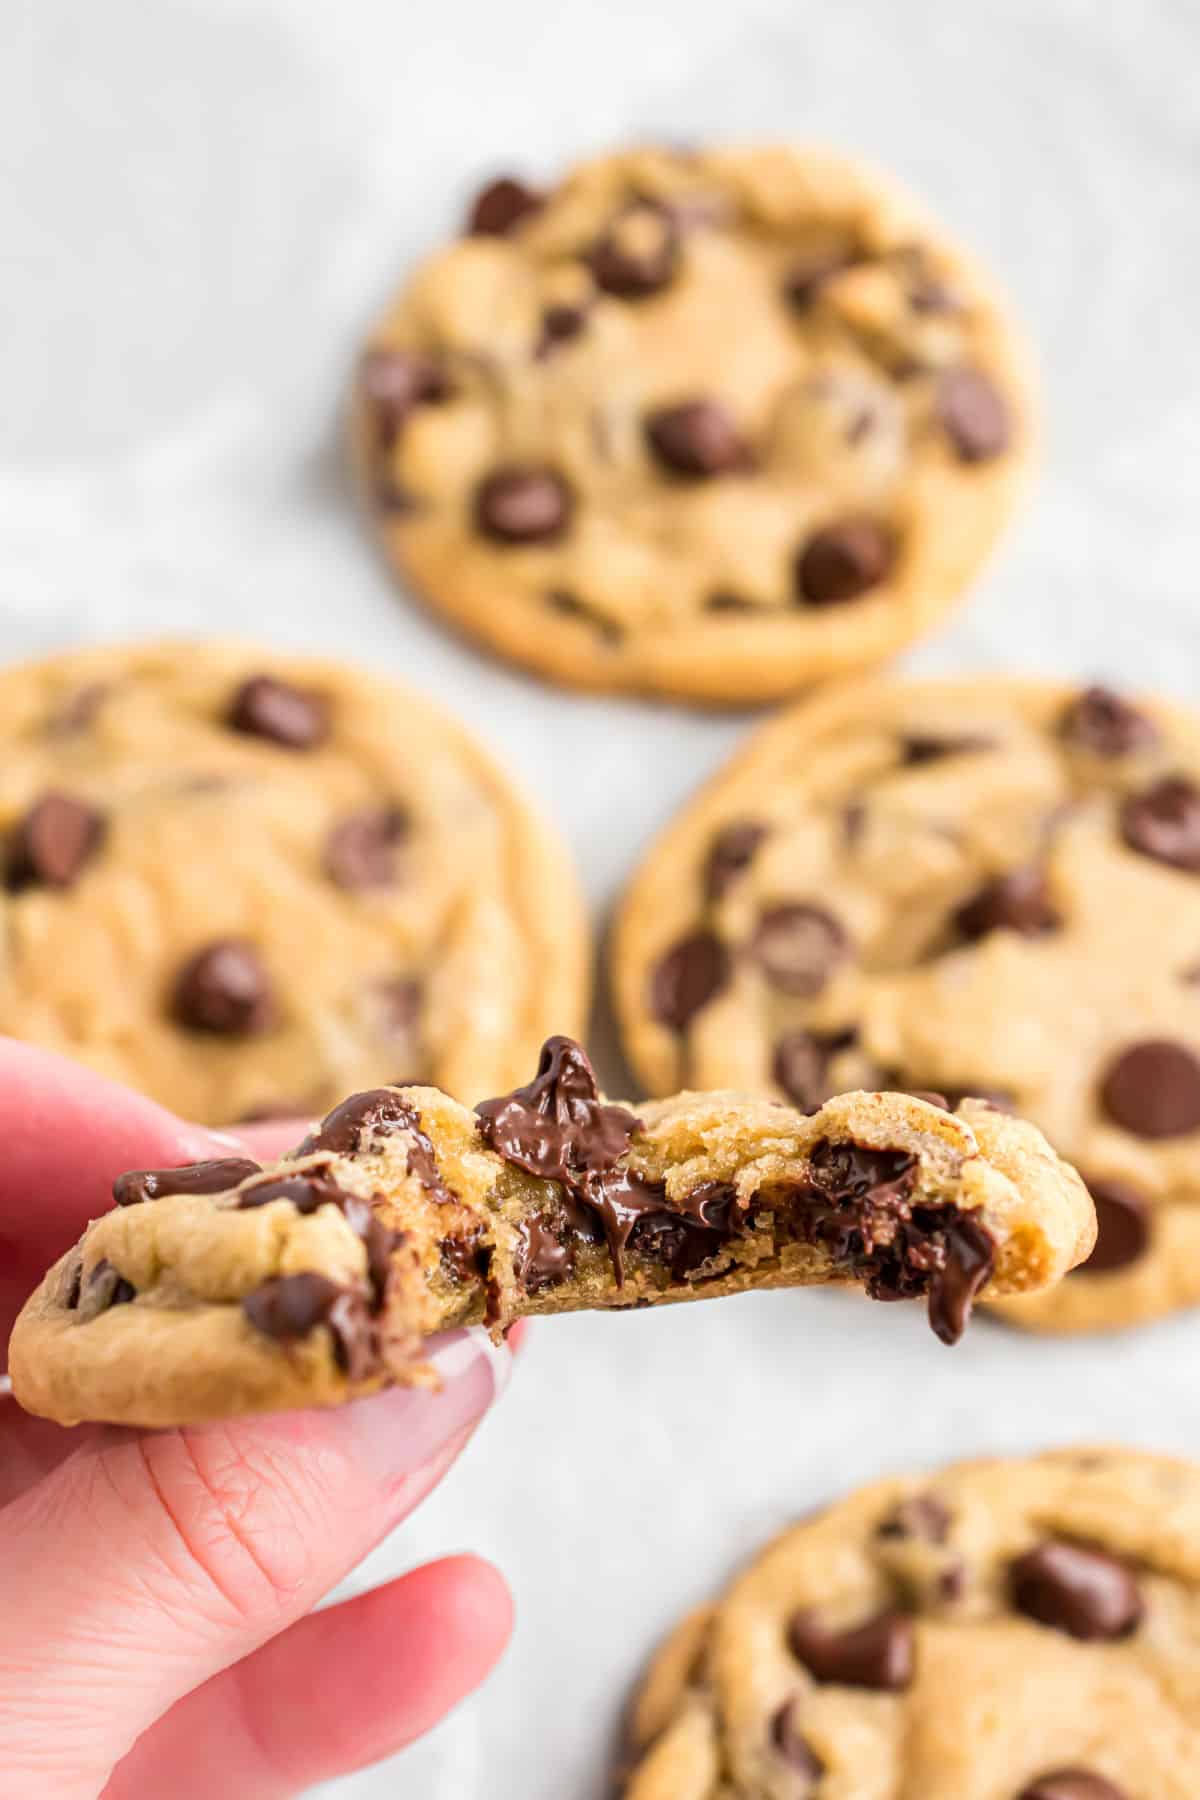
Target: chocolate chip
<point x="296" y="718"/>
<point x="973" y="414"/>
<point x="360" y="851"/>
<point x="639" y="254"/>
<point x="374" y="1110"/>
<point x="1163" y="822"/>
<point x="687" y="977"/>
<point x="1072" y="1784"/>
<point x="1020" y="901"/>
<point x="542" y="1259"/>
<point x="559" y="325"/>
<point x="879" y="1654"/>
<point x="1152" y="1089"/>
<point x="306" y="1191"/>
<point x="685" y="1233"/>
<point x="696" y="438"/>
<point x="523" y="505"/>
<point x="1122" y="1226"/>
<point x="399" y="998"/>
<point x="922" y="1516"/>
<point x="397" y="381"/>
<point x="50" y="845"/>
<point x="795" y="1748"/>
<point x="844" y="560"/>
<point x="224" y="988"/>
<point x="214" y="1177"/>
<point x="810" y="271"/>
<point x="918" y="748"/>
<point x="1083" y="1592"/>
<point x="465" y="1257"/>
<point x="501" y="206"/>
<point x="1102" y="722"/>
<point x="799" y="946"/>
<point x="572" y="607"/>
<point x="73" y="1287"/>
<point x="800" y="1065"/>
<point x="730" y="854"/>
<point x="969" y="1258"/>
<point x="293" y="1305"/>
<point x="106" y="1287"/>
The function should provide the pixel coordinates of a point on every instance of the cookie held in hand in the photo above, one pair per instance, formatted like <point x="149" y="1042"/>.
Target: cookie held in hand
<point x="224" y="1288"/>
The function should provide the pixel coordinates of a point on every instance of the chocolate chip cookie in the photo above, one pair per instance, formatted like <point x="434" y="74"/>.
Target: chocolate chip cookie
<point x="988" y="887"/>
<point x="996" y="1631"/>
<point x="224" y="1288"/>
<point x="246" y="882"/>
<point x="715" y="424"/>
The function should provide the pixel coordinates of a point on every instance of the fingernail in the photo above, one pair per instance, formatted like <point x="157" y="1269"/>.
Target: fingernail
<point x="397" y="1432"/>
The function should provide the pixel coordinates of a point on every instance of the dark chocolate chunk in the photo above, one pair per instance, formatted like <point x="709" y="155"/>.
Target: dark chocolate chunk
<point x="523" y="505"/>
<point x="799" y="946"/>
<point x="380" y="1110"/>
<point x="397" y="381"/>
<point x="1072" y="1784"/>
<point x="499" y="207"/>
<point x="559" y="325"/>
<point x="1077" y="1590"/>
<point x="639" y="254"/>
<point x="697" y="438"/>
<point x="1020" y="901"/>
<point x="224" y="988"/>
<point x="795" y="1749"/>
<point x="542" y="1258"/>
<point x="687" y="977"/>
<point x="295" y="718"/>
<point x="1163" y="822"/>
<point x="844" y="560"/>
<point x="683" y="1234"/>
<point x="973" y="414"/>
<point x="558" y="1128"/>
<point x="73" y="1286"/>
<point x="107" y="1287"/>
<point x="879" y="1654"/>
<point x="465" y="1257"/>
<point x="1152" y="1089"/>
<point x="859" y="1207"/>
<point x="1123" y="1225"/>
<point x="51" y="843"/>
<point x="214" y="1177"/>
<point x="1102" y="722"/>
<point x="293" y="1305"/>
<point x="922" y="1516"/>
<point x="306" y="1190"/>
<point x="800" y="1065"/>
<point x="918" y="748"/>
<point x="730" y="854"/>
<point x="399" y="998"/>
<point x="968" y="1259"/>
<point x="360" y="851"/>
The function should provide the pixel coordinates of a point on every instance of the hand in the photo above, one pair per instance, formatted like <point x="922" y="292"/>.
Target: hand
<point x="156" y="1590"/>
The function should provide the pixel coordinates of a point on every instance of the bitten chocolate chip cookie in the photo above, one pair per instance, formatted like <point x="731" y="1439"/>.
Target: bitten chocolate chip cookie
<point x="997" y="1631"/>
<point x="245" y="883"/>
<point x="714" y="425"/>
<point x="224" y="1288"/>
<point x="987" y="887"/>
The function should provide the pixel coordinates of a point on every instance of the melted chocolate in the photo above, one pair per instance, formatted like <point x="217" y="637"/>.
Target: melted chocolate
<point x="381" y="1109"/>
<point x="215" y="1177"/>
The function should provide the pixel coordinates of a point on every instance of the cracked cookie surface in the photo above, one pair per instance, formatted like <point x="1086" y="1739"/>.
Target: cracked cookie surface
<point x="247" y="882"/>
<point x="1025" y="1630"/>
<point x="224" y="1288"/>
<point x="715" y="424"/>
<point x="987" y="887"/>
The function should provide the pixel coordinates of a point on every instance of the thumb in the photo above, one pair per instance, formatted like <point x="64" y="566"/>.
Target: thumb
<point x="145" y="1564"/>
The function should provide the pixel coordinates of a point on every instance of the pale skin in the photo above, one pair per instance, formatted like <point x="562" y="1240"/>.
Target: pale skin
<point x="157" y="1633"/>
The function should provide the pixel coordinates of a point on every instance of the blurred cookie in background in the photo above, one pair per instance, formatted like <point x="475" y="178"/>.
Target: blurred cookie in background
<point x="986" y="886"/>
<point x="714" y="424"/>
<point x="247" y="882"/>
<point x="1025" y="1629"/>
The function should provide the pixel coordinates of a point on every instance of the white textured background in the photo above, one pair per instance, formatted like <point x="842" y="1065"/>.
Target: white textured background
<point x="202" y="202"/>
